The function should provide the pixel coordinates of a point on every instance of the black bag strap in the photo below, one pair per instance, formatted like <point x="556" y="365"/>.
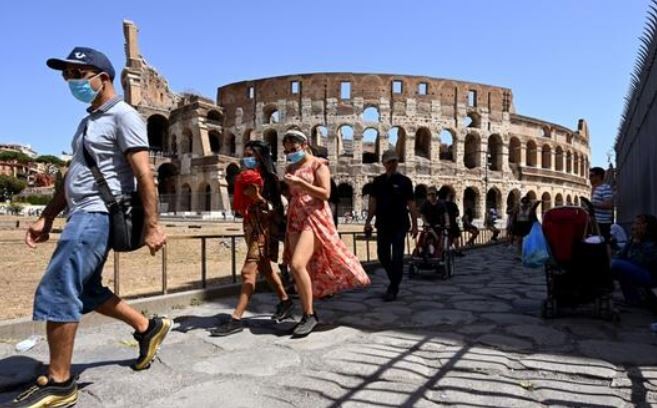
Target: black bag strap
<point x="103" y="188"/>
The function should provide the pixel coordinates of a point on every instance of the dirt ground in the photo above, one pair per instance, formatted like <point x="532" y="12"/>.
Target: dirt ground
<point x="139" y="273"/>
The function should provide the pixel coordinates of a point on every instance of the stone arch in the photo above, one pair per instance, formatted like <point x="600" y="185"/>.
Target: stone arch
<point x="371" y="114"/>
<point x="231" y="144"/>
<point x="397" y="141"/>
<point x="569" y="200"/>
<point x="185" y="198"/>
<point x="576" y="200"/>
<point x="472" y="154"/>
<point x="215" y="141"/>
<point x="187" y="142"/>
<point x="215" y="116"/>
<point x="205" y="197"/>
<point x="569" y="162"/>
<point x="420" y="194"/>
<point x="319" y="136"/>
<point x="448" y="190"/>
<point x="546" y="202"/>
<point x="247" y="136"/>
<point x="447" y="145"/>
<point x="345" y="141"/>
<point x="346" y="198"/>
<point x="157" y="128"/>
<point x="558" y="159"/>
<point x="423" y="143"/>
<point x="576" y="163"/>
<point x="512" y="200"/>
<point x="558" y="200"/>
<point x="472" y="120"/>
<point x="495" y="152"/>
<point x="546" y="157"/>
<point x="271" y="136"/>
<point x="547" y="132"/>
<point x="271" y="114"/>
<point x="532" y="152"/>
<point x="494" y="199"/>
<point x="531" y="195"/>
<point x="584" y="164"/>
<point x="471" y="201"/>
<point x="370" y="142"/>
<point x="166" y="186"/>
<point x="514" y="150"/>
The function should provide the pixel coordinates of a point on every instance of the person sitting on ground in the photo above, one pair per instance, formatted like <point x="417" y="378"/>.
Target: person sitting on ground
<point x="468" y="226"/>
<point x="258" y="199"/>
<point x="635" y="267"/>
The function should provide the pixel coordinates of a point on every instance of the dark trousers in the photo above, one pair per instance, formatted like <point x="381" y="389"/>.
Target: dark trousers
<point x="631" y="278"/>
<point x="390" y="249"/>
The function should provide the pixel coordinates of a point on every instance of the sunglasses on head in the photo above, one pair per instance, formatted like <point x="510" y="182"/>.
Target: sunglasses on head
<point x="77" y="73"/>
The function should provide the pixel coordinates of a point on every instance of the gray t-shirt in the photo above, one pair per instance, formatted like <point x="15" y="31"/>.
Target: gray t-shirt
<point x="112" y="130"/>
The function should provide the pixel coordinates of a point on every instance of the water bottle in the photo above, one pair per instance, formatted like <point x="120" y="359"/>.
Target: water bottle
<point x="27" y="343"/>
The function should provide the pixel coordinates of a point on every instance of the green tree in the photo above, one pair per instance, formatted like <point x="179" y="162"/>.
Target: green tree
<point x="50" y="159"/>
<point x="11" y="185"/>
<point x="15" y="156"/>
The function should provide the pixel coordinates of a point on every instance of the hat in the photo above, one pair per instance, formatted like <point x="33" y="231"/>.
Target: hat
<point x="84" y="56"/>
<point x="295" y="134"/>
<point x="389" y="155"/>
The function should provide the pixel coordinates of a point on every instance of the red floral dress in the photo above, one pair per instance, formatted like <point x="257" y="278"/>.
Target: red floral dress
<point x="332" y="267"/>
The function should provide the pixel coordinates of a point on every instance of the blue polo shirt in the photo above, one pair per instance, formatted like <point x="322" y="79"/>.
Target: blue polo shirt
<point x="112" y="130"/>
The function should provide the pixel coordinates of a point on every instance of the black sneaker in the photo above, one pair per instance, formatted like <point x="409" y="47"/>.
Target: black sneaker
<point x="150" y="341"/>
<point x="230" y="327"/>
<point x="46" y="393"/>
<point x="390" y="296"/>
<point x="283" y="310"/>
<point x="305" y="326"/>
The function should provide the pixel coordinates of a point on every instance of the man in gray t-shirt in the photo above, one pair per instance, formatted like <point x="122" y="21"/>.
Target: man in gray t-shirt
<point x="115" y="136"/>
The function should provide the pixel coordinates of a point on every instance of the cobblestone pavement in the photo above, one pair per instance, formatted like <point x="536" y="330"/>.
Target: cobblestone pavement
<point x="474" y="340"/>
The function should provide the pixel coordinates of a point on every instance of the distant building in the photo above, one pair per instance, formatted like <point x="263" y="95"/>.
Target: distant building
<point x="19" y="148"/>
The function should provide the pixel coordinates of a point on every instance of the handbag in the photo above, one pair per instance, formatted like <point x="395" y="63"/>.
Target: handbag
<point x="126" y="212"/>
<point x="534" y="248"/>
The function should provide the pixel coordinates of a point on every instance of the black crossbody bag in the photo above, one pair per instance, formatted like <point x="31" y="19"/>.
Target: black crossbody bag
<point x="126" y="213"/>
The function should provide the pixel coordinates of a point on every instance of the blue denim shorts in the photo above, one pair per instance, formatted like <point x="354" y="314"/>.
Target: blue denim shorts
<point x="72" y="284"/>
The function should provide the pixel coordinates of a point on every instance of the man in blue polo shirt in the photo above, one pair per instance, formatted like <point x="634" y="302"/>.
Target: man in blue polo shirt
<point x="115" y="136"/>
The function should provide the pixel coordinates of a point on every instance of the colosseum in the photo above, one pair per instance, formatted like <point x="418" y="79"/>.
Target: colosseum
<point x="462" y="136"/>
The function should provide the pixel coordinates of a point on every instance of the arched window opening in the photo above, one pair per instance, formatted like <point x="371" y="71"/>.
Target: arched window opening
<point x="370" y="146"/>
<point x="546" y="202"/>
<point x="397" y="141"/>
<point x="157" y="129"/>
<point x="447" y="145"/>
<point x="558" y="200"/>
<point x="532" y="152"/>
<point x="471" y="201"/>
<point x="558" y="159"/>
<point x="546" y="157"/>
<point x="371" y="114"/>
<point x="346" y="197"/>
<point x="215" y="141"/>
<point x="495" y="153"/>
<point x="345" y="141"/>
<point x="423" y="143"/>
<point x="471" y="155"/>
<point x="514" y="150"/>
<point x="319" y="136"/>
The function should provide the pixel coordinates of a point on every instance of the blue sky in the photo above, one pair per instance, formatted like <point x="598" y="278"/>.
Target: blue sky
<point x="563" y="59"/>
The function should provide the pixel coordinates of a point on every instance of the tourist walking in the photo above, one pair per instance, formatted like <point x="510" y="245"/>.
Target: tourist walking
<point x="320" y="262"/>
<point x="257" y="198"/>
<point x="602" y="198"/>
<point x="390" y="201"/>
<point x="114" y="135"/>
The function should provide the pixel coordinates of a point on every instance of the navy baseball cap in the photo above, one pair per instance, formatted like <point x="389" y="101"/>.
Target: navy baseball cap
<point x="84" y="56"/>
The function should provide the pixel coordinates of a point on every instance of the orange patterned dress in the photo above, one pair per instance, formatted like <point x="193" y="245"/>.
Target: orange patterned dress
<point x="332" y="267"/>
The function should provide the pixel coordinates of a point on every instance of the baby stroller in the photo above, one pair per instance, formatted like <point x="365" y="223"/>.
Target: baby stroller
<point x="432" y="252"/>
<point x="578" y="271"/>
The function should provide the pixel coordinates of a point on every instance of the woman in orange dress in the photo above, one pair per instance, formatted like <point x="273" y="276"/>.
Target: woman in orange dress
<point x="321" y="263"/>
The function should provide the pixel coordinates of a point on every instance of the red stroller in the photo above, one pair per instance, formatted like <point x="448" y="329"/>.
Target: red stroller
<point x="578" y="271"/>
<point x="432" y="252"/>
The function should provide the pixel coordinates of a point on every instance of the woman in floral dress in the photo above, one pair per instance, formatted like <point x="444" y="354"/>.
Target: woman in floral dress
<point x="321" y="263"/>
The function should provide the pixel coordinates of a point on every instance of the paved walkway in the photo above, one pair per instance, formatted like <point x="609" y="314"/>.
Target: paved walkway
<point x="475" y="340"/>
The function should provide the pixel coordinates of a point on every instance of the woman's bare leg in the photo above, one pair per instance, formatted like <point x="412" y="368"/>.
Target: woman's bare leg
<point x="303" y="246"/>
<point x="249" y="272"/>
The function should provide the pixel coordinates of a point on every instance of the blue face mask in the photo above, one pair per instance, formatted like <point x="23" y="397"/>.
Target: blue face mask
<point x="296" y="156"/>
<point x="82" y="90"/>
<point x="249" y="162"/>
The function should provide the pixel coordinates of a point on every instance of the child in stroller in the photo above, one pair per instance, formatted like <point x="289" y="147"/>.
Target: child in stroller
<point x="432" y="248"/>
